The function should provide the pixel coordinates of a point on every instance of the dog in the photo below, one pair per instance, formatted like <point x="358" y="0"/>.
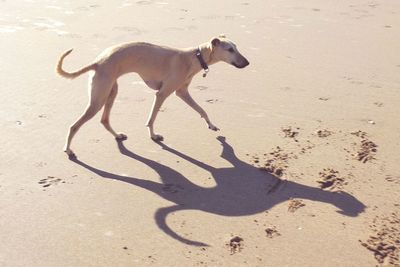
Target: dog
<point x="163" y="69"/>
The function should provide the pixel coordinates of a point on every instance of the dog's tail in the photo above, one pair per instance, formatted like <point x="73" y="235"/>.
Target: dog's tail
<point x="72" y="75"/>
<point x="161" y="215"/>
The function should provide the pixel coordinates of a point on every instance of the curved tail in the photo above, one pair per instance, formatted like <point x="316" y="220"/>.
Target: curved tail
<point x="161" y="215"/>
<point x="72" y="75"/>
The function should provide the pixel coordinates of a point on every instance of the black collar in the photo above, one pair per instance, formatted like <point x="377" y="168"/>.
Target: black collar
<point x="202" y="62"/>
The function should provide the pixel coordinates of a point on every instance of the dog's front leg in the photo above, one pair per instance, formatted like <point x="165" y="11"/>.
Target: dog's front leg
<point x="159" y="99"/>
<point x="185" y="96"/>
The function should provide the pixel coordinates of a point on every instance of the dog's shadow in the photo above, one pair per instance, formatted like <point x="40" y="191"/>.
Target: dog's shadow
<point x="240" y="190"/>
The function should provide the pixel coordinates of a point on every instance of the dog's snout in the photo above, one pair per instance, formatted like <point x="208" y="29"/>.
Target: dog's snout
<point x="246" y="63"/>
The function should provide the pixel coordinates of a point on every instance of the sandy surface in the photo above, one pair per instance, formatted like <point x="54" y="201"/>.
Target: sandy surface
<point x="304" y="171"/>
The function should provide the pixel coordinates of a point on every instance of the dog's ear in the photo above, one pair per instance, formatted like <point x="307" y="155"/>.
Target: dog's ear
<point x="215" y="42"/>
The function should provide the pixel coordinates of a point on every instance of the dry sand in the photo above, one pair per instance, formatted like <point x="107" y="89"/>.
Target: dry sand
<point x="304" y="171"/>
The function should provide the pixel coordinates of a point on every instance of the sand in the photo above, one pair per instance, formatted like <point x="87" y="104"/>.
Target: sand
<point x="304" y="171"/>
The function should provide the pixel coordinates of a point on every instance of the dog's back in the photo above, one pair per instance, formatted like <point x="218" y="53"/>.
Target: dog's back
<point x="148" y="60"/>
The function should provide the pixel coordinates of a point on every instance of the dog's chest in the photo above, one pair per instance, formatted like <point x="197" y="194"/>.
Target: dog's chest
<point x="156" y="85"/>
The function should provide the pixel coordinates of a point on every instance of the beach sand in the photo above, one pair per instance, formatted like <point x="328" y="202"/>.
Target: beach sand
<point x="304" y="171"/>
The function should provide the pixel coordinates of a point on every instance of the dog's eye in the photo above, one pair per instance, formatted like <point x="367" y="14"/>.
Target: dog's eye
<point x="231" y="50"/>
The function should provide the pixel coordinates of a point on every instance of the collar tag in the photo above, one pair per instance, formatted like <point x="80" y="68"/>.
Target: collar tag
<point x="205" y="72"/>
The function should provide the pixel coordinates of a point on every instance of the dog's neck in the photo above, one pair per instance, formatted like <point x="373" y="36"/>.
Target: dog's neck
<point x="206" y="52"/>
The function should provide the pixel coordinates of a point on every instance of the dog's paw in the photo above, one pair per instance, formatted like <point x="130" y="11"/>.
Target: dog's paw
<point x="214" y="128"/>
<point x="121" y="137"/>
<point x="70" y="153"/>
<point x="157" y="138"/>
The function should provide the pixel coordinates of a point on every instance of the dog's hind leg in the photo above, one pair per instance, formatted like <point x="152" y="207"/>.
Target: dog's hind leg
<point x="99" y="90"/>
<point x="105" y="119"/>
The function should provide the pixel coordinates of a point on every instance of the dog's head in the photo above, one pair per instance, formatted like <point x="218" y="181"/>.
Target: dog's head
<point x="225" y="50"/>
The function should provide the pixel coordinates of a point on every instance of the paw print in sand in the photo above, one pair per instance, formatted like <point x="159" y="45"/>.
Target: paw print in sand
<point x="50" y="180"/>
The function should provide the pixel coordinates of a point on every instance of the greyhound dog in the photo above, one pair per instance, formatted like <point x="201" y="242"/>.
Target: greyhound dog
<point x="163" y="69"/>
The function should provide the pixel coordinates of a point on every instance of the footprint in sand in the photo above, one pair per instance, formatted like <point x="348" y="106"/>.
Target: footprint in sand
<point x="235" y="244"/>
<point x="324" y="133"/>
<point x="384" y="240"/>
<point x="291" y="133"/>
<point x="50" y="180"/>
<point x="324" y="98"/>
<point x="360" y="134"/>
<point x="274" y="163"/>
<point x="212" y="101"/>
<point x="331" y="179"/>
<point x="393" y="179"/>
<point x="295" y="204"/>
<point x="272" y="232"/>
<point x="367" y="149"/>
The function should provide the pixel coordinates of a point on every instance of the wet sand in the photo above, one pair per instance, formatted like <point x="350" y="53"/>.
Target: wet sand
<point x="304" y="171"/>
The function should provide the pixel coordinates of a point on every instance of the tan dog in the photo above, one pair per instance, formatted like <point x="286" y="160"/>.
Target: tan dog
<point x="164" y="69"/>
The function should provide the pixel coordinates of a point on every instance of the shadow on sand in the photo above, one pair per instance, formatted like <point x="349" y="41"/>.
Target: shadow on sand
<point x="240" y="190"/>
